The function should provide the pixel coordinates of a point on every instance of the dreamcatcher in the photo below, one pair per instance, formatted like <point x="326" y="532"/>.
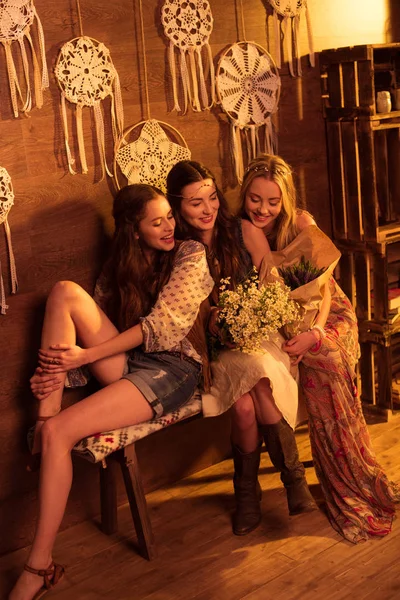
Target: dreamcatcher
<point x="16" y="19"/>
<point x="149" y="157"/>
<point x="248" y="89"/>
<point x="86" y="76"/>
<point x="6" y="202"/>
<point x="188" y="25"/>
<point x="286" y="16"/>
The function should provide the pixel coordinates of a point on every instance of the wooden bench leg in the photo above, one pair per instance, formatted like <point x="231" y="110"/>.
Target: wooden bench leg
<point x="137" y="501"/>
<point x="108" y="499"/>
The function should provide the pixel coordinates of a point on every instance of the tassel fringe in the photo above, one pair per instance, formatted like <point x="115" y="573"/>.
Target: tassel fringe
<point x="193" y="74"/>
<point x="19" y="102"/>
<point x="289" y="28"/>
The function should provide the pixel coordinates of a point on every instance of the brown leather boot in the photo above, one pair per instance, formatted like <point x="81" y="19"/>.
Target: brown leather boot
<point x="247" y="515"/>
<point x="282" y="449"/>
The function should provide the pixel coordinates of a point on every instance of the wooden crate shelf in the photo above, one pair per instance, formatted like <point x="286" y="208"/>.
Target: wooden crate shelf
<point x="364" y="174"/>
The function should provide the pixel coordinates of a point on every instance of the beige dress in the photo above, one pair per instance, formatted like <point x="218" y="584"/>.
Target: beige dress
<point x="236" y="373"/>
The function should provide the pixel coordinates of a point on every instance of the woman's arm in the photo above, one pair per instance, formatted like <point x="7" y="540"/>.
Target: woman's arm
<point x="170" y="320"/>
<point x="324" y="308"/>
<point x="255" y="241"/>
<point x="301" y="343"/>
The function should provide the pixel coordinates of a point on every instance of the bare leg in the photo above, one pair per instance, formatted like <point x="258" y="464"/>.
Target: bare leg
<point x="70" y="314"/>
<point x="244" y="433"/>
<point x="118" y="405"/>
<point x="265" y="407"/>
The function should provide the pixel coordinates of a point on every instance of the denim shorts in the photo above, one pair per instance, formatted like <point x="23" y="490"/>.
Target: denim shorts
<point x="165" y="379"/>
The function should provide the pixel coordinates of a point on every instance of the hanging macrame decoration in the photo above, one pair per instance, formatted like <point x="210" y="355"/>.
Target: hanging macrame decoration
<point x="6" y="202"/>
<point x="86" y="76"/>
<point x="248" y="89"/>
<point x="150" y="158"/>
<point x="16" y="19"/>
<point x="188" y="25"/>
<point x="286" y="16"/>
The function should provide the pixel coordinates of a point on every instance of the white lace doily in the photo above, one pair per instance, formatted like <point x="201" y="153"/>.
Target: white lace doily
<point x="84" y="71"/>
<point x="248" y="84"/>
<point x="248" y="88"/>
<point x="16" y="19"/>
<point x="6" y="202"/>
<point x="15" y="16"/>
<point x="288" y="27"/>
<point x="150" y="158"/>
<point x="86" y="75"/>
<point x="188" y="26"/>
<point x="288" y="8"/>
<point x="6" y="194"/>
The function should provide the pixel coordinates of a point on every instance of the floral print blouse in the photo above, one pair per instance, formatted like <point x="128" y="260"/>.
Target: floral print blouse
<point x="177" y="306"/>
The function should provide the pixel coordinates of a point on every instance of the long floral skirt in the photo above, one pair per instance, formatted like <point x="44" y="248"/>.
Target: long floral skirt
<point x="359" y="498"/>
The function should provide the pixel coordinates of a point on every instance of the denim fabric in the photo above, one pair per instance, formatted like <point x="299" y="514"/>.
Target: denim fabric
<point x="166" y="380"/>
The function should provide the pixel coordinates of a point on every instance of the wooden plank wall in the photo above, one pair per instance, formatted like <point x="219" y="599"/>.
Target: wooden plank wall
<point x="60" y="222"/>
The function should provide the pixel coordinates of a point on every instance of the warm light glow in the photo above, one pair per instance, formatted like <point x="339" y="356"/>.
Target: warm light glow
<point x="344" y="23"/>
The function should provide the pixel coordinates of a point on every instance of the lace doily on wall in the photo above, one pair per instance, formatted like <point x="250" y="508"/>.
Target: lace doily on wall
<point x="16" y="19"/>
<point x="286" y="17"/>
<point x="86" y="75"/>
<point x="248" y="88"/>
<point x="188" y="25"/>
<point x="6" y="202"/>
<point x="149" y="158"/>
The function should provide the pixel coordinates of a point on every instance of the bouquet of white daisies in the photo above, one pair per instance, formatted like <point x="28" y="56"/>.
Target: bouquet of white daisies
<point x="252" y="313"/>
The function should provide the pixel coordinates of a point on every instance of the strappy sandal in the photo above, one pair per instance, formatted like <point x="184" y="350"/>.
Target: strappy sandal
<point x="51" y="576"/>
<point x="33" y="462"/>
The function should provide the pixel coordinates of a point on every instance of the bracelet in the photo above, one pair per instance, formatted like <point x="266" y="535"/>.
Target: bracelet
<point x="320" y="330"/>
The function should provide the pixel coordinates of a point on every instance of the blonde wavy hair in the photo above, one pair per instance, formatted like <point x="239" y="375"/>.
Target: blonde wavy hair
<point x="274" y="168"/>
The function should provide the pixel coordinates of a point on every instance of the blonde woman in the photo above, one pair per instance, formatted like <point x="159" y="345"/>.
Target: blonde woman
<point x="359" y="497"/>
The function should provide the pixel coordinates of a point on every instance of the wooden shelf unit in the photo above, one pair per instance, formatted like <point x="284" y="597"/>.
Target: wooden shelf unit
<point x="364" y="174"/>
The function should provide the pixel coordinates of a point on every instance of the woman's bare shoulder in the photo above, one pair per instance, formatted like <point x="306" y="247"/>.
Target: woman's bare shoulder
<point x="304" y="219"/>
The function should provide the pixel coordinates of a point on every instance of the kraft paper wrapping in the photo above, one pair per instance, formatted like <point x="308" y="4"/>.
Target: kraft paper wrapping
<point x="316" y="247"/>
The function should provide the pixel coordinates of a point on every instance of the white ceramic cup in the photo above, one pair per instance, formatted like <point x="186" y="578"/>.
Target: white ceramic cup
<point x="384" y="102"/>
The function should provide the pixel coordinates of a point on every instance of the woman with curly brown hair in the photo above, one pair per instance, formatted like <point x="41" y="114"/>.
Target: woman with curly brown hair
<point x="153" y="288"/>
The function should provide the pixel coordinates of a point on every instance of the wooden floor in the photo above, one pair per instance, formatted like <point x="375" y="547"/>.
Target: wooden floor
<point x="198" y="557"/>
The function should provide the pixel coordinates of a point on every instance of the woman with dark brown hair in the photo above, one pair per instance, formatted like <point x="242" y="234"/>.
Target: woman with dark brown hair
<point x="146" y="273"/>
<point x="259" y="388"/>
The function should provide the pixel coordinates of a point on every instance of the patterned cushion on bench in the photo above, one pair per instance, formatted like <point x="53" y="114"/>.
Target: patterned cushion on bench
<point x="97" y="447"/>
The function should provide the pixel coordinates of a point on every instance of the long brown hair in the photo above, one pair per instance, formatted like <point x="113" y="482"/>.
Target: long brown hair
<point x="132" y="283"/>
<point x="224" y="239"/>
<point x="274" y="168"/>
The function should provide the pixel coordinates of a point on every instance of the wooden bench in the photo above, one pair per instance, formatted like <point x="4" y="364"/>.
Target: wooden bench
<point x="119" y="445"/>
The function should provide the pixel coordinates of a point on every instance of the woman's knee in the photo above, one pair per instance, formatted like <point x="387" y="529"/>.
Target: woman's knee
<point x="64" y="291"/>
<point x="54" y="436"/>
<point x="243" y="412"/>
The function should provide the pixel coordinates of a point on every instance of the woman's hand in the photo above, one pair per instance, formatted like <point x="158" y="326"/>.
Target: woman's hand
<point x="299" y="345"/>
<point x="62" y="357"/>
<point x="43" y="385"/>
<point x="216" y="330"/>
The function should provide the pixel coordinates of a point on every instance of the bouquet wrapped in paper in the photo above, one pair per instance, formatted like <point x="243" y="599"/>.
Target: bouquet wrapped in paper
<point x="305" y="265"/>
<point x="253" y="313"/>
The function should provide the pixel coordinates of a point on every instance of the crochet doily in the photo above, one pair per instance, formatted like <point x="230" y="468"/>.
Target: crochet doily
<point x="248" y="87"/>
<point x="288" y="27"/>
<point x="188" y="25"/>
<point x="150" y="158"/>
<point x="6" y="202"/>
<point x="288" y="8"/>
<point x="16" y="19"/>
<point x="86" y="75"/>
